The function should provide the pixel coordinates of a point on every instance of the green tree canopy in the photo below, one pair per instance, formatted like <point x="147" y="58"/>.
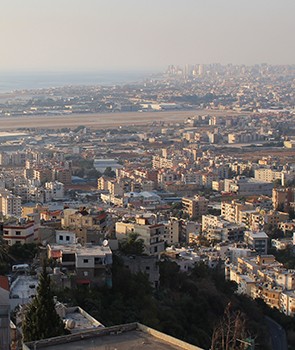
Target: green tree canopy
<point x="41" y="319"/>
<point x="109" y="172"/>
<point x="132" y="245"/>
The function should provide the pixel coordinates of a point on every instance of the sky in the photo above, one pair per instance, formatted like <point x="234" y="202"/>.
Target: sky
<point x="104" y="35"/>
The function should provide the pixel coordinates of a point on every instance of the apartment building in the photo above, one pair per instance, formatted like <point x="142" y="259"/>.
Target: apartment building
<point x="56" y="188"/>
<point x="43" y="175"/>
<point x="267" y="175"/>
<point x="244" y="186"/>
<point x="10" y="204"/>
<point x="91" y="263"/>
<point x="282" y="197"/>
<point x="62" y="174"/>
<point x="287" y="302"/>
<point x="162" y="162"/>
<point x="78" y="219"/>
<point x="152" y="235"/>
<point x="171" y="231"/>
<point x="257" y="241"/>
<point x="231" y="211"/>
<point x="263" y="277"/>
<point x="195" y="207"/>
<point x="20" y="232"/>
<point x="215" y="228"/>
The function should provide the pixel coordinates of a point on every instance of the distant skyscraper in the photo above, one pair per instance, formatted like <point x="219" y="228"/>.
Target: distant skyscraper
<point x="201" y="69"/>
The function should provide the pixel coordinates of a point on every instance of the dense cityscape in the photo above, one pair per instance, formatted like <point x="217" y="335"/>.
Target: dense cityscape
<point x="221" y="87"/>
<point x="182" y="224"/>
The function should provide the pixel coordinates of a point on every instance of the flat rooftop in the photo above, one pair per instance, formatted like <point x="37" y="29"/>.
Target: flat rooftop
<point x="24" y="287"/>
<point x="82" y="320"/>
<point x="124" y="337"/>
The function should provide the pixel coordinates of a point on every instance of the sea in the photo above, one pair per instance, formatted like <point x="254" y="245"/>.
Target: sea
<point x="13" y="81"/>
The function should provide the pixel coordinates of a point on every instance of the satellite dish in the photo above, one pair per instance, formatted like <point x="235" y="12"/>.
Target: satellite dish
<point x="105" y="243"/>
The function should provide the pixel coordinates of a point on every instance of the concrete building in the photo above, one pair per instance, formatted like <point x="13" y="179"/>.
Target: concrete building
<point x="282" y="197"/>
<point x="91" y="263"/>
<point x="195" y="207"/>
<point x="257" y="241"/>
<point x="78" y="219"/>
<point x="4" y="314"/>
<point x="171" y="232"/>
<point x="231" y="211"/>
<point x="10" y="204"/>
<point x="65" y="237"/>
<point x="121" y="337"/>
<point x="57" y="189"/>
<point x="144" y="264"/>
<point x="287" y="302"/>
<point x="76" y="319"/>
<point x="152" y="235"/>
<point x="267" y="175"/>
<point x="63" y="175"/>
<point x="20" y="232"/>
<point x="215" y="228"/>
<point x="43" y="175"/>
<point x="244" y="186"/>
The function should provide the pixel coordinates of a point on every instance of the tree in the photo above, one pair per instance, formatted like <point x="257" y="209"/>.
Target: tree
<point x="24" y="252"/>
<point x="109" y="172"/>
<point x="41" y="320"/>
<point x="132" y="245"/>
<point x="230" y="333"/>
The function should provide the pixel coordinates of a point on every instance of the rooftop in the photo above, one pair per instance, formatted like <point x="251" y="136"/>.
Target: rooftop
<point x="22" y="290"/>
<point x="77" y="319"/>
<point x="122" y="337"/>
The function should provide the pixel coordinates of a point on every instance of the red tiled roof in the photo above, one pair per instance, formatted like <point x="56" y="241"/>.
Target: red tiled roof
<point x="4" y="282"/>
<point x="56" y="254"/>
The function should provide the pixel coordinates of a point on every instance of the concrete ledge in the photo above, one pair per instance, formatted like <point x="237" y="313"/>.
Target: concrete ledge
<point x="167" y="338"/>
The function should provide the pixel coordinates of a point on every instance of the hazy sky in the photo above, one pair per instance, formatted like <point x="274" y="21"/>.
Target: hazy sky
<point x="143" y="34"/>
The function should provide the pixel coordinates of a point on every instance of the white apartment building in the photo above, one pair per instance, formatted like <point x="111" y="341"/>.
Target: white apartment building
<point x="20" y="233"/>
<point x="56" y="188"/>
<point x="10" y="204"/>
<point x="244" y="186"/>
<point x="171" y="232"/>
<point x="270" y="175"/>
<point x="287" y="302"/>
<point x="65" y="237"/>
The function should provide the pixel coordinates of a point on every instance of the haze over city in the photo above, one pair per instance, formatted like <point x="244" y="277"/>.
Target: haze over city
<point x="71" y="35"/>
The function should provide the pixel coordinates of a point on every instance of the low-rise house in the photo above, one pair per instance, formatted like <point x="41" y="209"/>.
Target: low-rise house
<point x="90" y="264"/>
<point x="20" y="232"/>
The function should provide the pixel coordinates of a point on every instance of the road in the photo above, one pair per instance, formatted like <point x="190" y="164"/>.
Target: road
<point x="277" y="334"/>
<point x="103" y="120"/>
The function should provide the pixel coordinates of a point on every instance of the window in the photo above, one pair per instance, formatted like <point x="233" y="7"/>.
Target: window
<point x="67" y="238"/>
<point x="98" y="261"/>
<point x="85" y="261"/>
<point x="61" y="238"/>
<point x="85" y="273"/>
<point x="17" y="233"/>
<point x="6" y="232"/>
